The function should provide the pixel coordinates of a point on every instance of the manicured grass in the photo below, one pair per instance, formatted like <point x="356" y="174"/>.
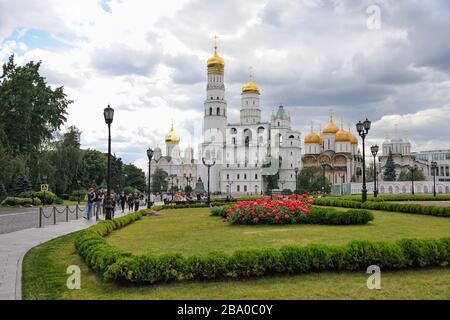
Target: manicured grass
<point x="44" y="277"/>
<point x="190" y="231"/>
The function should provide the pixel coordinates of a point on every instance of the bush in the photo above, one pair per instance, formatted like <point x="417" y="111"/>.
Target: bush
<point x="220" y="211"/>
<point x="117" y="265"/>
<point x="16" y="201"/>
<point x="77" y="194"/>
<point x="46" y="197"/>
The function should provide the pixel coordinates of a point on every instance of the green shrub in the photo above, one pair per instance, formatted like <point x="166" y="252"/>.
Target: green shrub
<point x="15" y="201"/>
<point x="46" y="197"/>
<point x="219" y="211"/>
<point x="116" y="265"/>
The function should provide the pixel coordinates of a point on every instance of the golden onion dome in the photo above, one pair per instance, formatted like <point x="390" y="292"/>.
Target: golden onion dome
<point x="172" y="137"/>
<point x="353" y="139"/>
<point x="250" y="87"/>
<point x="313" y="138"/>
<point x="216" y="61"/>
<point x="330" y="128"/>
<point x="343" y="136"/>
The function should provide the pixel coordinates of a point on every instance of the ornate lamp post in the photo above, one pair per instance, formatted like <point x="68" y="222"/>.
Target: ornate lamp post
<point x="108" y="113"/>
<point x="363" y="129"/>
<point x="412" y="169"/>
<point x="208" y="165"/>
<point x="296" y="180"/>
<point x="150" y="156"/>
<point x="374" y="149"/>
<point x="434" y="167"/>
<point x="323" y="164"/>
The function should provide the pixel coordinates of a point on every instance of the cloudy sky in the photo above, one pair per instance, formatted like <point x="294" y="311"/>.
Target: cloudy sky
<point x="385" y="60"/>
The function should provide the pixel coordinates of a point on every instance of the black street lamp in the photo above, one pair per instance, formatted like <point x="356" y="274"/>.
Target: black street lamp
<point x="108" y="113"/>
<point x="323" y="164"/>
<point x="363" y="129"/>
<point x="150" y="156"/>
<point x="434" y="167"/>
<point x="172" y="177"/>
<point x="374" y="149"/>
<point x="188" y="181"/>
<point x="208" y="165"/>
<point x="412" y="169"/>
<point x="296" y="180"/>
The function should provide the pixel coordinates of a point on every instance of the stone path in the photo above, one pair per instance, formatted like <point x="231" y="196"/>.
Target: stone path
<point x="14" y="246"/>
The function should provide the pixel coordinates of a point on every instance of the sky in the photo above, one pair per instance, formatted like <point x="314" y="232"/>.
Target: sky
<point x="388" y="61"/>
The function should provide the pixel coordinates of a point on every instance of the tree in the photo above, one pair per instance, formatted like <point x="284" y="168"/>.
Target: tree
<point x="116" y="174"/>
<point x="159" y="181"/>
<point x="67" y="161"/>
<point x="389" y="169"/>
<point x="31" y="110"/>
<point x="310" y="179"/>
<point x="93" y="168"/>
<point x="405" y="175"/>
<point x="134" y="177"/>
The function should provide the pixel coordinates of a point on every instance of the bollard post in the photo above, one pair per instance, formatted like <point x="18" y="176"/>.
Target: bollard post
<point x="67" y="213"/>
<point x="40" y="217"/>
<point x="76" y="211"/>
<point x="54" y="215"/>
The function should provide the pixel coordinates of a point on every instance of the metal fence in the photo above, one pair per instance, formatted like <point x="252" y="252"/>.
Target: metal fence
<point x="51" y="213"/>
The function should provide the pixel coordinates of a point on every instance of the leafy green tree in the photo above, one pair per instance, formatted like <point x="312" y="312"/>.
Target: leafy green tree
<point x="405" y="175"/>
<point x="389" y="169"/>
<point x="93" y="168"/>
<point x="134" y="177"/>
<point x="310" y="179"/>
<point x="116" y="174"/>
<point x="30" y="110"/>
<point x="67" y="161"/>
<point x="159" y="181"/>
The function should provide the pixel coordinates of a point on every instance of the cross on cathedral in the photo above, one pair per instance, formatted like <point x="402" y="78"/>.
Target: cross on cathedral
<point x="215" y="43"/>
<point x="281" y="100"/>
<point x="250" y="73"/>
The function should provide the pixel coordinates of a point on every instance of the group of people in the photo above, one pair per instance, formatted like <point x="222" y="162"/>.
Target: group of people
<point x="96" y="202"/>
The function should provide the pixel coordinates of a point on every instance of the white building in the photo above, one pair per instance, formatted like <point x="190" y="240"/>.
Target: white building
<point x="181" y="169"/>
<point x="249" y="153"/>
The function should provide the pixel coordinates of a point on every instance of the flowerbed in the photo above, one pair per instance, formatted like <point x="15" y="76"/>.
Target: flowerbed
<point x="292" y="210"/>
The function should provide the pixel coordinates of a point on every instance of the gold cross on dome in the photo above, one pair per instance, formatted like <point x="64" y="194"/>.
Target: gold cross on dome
<point x="250" y="73"/>
<point x="215" y="43"/>
<point x="281" y="100"/>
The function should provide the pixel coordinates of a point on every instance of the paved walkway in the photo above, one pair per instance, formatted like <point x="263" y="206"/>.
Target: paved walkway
<point x="14" y="246"/>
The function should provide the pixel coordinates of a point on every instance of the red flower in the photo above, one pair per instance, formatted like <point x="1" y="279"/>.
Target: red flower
<point x="286" y="216"/>
<point x="256" y="220"/>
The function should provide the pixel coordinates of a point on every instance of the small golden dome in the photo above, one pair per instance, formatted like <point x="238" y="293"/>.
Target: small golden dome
<point x="330" y="128"/>
<point x="343" y="136"/>
<point x="313" y="138"/>
<point x="172" y="137"/>
<point x="250" y="87"/>
<point x="353" y="139"/>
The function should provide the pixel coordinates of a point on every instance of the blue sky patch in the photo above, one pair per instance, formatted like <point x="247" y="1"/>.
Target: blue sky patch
<point x="36" y="38"/>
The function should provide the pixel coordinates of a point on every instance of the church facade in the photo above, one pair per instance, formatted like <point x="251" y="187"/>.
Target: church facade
<point x="252" y="153"/>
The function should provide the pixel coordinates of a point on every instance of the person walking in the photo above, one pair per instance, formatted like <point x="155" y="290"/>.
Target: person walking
<point x="130" y="201"/>
<point x="113" y="202"/>
<point x="98" y="203"/>
<point x="137" y="201"/>
<point x="90" y="198"/>
<point x="123" y="200"/>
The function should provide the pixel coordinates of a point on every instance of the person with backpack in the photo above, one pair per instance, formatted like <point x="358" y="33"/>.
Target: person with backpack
<point x="137" y="201"/>
<point x="123" y="200"/>
<point x="98" y="203"/>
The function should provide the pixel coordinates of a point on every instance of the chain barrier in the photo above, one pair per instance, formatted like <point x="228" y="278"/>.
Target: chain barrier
<point x="58" y="211"/>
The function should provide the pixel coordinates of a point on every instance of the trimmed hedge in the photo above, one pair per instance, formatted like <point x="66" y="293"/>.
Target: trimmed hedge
<point x="398" y="197"/>
<point x="118" y="265"/>
<point x="16" y="201"/>
<point x="386" y="206"/>
<point x="325" y="216"/>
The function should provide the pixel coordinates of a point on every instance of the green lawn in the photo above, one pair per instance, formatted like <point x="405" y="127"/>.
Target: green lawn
<point x="192" y="230"/>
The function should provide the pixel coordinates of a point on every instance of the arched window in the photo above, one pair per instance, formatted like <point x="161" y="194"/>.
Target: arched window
<point x="245" y="176"/>
<point x="218" y="111"/>
<point x="245" y="188"/>
<point x="210" y="111"/>
<point x="238" y="188"/>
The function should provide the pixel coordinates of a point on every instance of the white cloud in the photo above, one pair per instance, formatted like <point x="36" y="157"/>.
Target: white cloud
<point x="147" y="60"/>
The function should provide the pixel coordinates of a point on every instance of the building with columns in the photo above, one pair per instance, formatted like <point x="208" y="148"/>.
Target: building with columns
<point x="250" y="153"/>
<point x="338" y="149"/>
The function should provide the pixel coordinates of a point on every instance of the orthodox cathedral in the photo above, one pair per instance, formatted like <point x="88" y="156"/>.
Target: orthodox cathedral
<point x="254" y="155"/>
